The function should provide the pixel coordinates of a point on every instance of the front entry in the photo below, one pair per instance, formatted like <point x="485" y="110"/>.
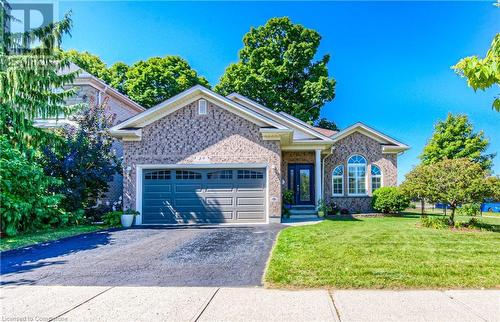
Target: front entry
<point x="301" y="181"/>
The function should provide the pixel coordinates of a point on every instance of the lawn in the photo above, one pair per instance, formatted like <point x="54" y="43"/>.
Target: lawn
<point x="44" y="236"/>
<point x="388" y="252"/>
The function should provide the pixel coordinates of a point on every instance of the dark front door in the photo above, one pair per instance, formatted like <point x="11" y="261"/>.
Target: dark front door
<point x="301" y="181"/>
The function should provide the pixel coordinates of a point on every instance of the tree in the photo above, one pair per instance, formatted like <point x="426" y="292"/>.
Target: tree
<point x="416" y="185"/>
<point x="86" y="162"/>
<point x="159" y="78"/>
<point x="89" y="63"/>
<point x="455" y="138"/>
<point x="326" y="124"/>
<point x="117" y="75"/>
<point x="30" y="83"/>
<point x="276" y="68"/>
<point x="454" y="182"/>
<point x="482" y="73"/>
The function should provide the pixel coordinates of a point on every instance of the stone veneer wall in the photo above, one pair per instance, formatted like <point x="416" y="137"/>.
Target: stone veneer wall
<point x="358" y="143"/>
<point x="294" y="157"/>
<point x="184" y="137"/>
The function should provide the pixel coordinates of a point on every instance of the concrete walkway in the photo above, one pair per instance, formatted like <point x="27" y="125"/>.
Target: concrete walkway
<point x="94" y="303"/>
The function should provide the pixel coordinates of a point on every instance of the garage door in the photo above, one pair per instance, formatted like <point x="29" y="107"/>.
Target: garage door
<point x="176" y="196"/>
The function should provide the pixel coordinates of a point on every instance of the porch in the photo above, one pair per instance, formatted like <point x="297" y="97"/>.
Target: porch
<point x="302" y="174"/>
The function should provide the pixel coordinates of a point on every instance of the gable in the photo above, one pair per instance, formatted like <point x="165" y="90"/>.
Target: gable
<point x="187" y="97"/>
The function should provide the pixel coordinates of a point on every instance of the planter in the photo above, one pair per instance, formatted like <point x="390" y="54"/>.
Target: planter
<point x="127" y="220"/>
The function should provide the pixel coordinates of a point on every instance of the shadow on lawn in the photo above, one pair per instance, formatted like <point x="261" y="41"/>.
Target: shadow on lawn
<point x="33" y="257"/>
<point x="342" y="218"/>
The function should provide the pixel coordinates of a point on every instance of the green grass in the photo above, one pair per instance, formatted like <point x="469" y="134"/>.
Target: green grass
<point x="8" y="243"/>
<point x="388" y="252"/>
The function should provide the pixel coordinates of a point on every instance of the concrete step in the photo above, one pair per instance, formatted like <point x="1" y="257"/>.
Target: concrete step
<point x="295" y="211"/>
<point x="304" y="217"/>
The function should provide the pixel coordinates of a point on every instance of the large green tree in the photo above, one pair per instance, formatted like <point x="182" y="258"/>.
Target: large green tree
<point x="482" y="73"/>
<point x="31" y="84"/>
<point x="117" y="75"/>
<point x="89" y="62"/>
<point x="277" y="68"/>
<point x="455" y="138"/>
<point x="159" y="78"/>
<point x="454" y="182"/>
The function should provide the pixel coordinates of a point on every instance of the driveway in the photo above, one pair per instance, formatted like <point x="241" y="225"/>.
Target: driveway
<point x="150" y="256"/>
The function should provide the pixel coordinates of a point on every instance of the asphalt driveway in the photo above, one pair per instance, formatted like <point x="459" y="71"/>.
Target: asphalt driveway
<point x="152" y="256"/>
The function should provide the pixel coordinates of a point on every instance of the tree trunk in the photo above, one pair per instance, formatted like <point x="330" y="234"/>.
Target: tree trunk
<point x="422" y="204"/>
<point x="452" y="216"/>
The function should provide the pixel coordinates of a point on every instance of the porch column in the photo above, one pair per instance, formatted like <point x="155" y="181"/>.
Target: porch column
<point x="317" y="176"/>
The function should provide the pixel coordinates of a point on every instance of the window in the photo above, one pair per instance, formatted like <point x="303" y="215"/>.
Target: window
<point x="223" y="174"/>
<point x="250" y="174"/>
<point x="158" y="175"/>
<point x="202" y="107"/>
<point x="356" y="173"/>
<point x="376" y="177"/>
<point x="338" y="181"/>
<point x="187" y="175"/>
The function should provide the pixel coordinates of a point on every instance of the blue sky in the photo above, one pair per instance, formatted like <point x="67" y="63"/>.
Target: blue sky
<point x="391" y="60"/>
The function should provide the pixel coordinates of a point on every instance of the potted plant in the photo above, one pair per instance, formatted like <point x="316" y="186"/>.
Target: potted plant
<point x="127" y="218"/>
<point x="287" y="199"/>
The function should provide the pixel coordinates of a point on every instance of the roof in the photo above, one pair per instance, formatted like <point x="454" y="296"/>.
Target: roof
<point x="390" y="145"/>
<point x="293" y="133"/>
<point x="325" y="132"/>
<point x="85" y="78"/>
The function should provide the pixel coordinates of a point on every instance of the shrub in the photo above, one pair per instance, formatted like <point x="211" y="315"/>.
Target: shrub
<point x="26" y="204"/>
<point x="288" y="197"/>
<point x="434" y="222"/>
<point x="344" y="211"/>
<point x="469" y="209"/>
<point x="112" y="218"/>
<point x="389" y="200"/>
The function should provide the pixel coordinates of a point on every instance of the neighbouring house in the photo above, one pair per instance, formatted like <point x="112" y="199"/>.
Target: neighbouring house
<point x="90" y="87"/>
<point x="200" y="157"/>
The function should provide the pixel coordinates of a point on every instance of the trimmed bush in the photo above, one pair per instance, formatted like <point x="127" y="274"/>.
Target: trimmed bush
<point x="389" y="200"/>
<point x="434" y="222"/>
<point x="112" y="218"/>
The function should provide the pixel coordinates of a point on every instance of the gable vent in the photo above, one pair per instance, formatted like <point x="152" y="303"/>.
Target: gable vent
<point x="202" y="107"/>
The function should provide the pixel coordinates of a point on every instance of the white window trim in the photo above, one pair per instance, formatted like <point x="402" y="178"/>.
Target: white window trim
<point x="366" y="176"/>
<point x="202" y="109"/>
<point x="381" y="176"/>
<point x="337" y="177"/>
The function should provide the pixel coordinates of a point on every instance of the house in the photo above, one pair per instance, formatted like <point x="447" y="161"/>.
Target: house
<point x="118" y="104"/>
<point x="200" y="157"/>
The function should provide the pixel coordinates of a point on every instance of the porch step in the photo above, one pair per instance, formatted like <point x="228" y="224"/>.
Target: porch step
<point x="303" y="212"/>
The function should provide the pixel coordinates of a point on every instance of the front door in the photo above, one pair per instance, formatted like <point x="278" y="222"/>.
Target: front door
<point x="301" y="181"/>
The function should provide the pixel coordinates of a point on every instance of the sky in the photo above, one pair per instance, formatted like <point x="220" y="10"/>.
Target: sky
<point x="391" y="60"/>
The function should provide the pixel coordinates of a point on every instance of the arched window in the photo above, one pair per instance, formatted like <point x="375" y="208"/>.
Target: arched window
<point x="356" y="175"/>
<point x="338" y="181"/>
<point x="376" y="177"/>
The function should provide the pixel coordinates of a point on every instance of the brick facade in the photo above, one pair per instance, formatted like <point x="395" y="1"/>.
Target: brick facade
<point x="358" y="143"/>
<point x="184" y="137"/>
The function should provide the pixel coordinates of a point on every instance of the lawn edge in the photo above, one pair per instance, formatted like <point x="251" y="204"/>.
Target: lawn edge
<point x="268" y="262"/>
<point x="41" y="243"/>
